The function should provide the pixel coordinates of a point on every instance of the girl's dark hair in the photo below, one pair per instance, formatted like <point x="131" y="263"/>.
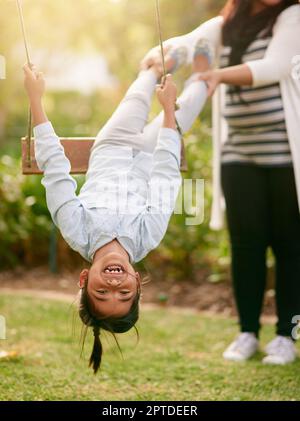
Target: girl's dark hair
<point x="111" y="324"/>
<point x="241" y="28"/>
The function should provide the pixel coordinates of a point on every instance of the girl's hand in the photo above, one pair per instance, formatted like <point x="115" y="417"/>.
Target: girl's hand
<point x="149" y="59"/>
<point x="212" y="79"/>
<point x="34" y="82"/>
<point x="167" y="94"/>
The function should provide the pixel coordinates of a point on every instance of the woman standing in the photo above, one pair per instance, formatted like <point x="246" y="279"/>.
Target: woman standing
<point x="256" y="123"/>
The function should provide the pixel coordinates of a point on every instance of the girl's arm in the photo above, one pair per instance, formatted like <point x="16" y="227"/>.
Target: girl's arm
<point x="240" y="75"/>
<point x="165" y="179"/>
<point x="35" y="86"/>
<point x="63" y="204"/>
<point x="164" y="185"/>
<point x="167" y="96"/>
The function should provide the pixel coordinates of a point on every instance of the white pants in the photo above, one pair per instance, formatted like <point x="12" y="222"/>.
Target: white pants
<point x="128" y="125"/>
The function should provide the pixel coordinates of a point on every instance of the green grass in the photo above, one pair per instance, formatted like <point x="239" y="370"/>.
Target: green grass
<point x="178" y="358"/>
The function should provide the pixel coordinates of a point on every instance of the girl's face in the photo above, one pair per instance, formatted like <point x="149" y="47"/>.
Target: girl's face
<point x="112" y="285"/>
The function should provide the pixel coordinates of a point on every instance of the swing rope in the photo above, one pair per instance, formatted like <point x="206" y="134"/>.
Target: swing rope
<point x="29" y="129"/>
<point x="158" y="20"/>
<point x="159" y="29"/>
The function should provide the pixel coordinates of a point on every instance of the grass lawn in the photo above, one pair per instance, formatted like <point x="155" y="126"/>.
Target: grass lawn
<point x="178" y="358"/>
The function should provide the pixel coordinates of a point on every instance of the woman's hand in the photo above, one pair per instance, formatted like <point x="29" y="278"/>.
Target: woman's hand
<point x="149" y="59"/>
<point x="212" y="78"/>
<point x="240" y="75"/>
<point x="34" y="82"/>
<point x="152" y="57"/>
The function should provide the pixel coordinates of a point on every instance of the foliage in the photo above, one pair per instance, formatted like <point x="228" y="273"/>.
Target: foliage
<point x="23" y="220"/>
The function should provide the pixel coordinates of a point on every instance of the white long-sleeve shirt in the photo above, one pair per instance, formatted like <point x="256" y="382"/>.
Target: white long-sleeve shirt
<point x="278" y="65"/>
<point x="129" y="197"/>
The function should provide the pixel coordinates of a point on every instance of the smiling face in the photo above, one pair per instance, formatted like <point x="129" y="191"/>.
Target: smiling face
<point x="112" y="285"/>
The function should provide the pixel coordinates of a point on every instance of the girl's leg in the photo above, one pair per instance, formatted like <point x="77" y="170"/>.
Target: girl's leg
<point x="245" y="190"/>
<point x="128" y="121"/>
<point x="190" y="102"/>
<point x="285" y="219"/>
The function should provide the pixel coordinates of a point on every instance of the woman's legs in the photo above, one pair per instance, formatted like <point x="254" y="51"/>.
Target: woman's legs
<point x="285" y="241"/>
<point x="245" y="190"/>
<point x="190" y="102"/>
<point x="128" y="121"/>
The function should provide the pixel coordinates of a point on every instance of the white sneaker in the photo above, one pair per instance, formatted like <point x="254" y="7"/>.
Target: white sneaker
<point x="280" y="351"/>
<point x="243" y="348"/>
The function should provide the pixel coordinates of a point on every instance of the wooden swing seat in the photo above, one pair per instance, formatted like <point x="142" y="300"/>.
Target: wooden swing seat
<point x="77" y="150"/>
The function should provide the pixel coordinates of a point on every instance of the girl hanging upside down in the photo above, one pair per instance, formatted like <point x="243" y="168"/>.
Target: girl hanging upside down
<point x="123" y="209"/>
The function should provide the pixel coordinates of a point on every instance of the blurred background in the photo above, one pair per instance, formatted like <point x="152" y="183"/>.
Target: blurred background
<point x="90" y="51"/>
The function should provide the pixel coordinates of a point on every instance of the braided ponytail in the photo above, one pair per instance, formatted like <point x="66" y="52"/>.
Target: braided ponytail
<point x="96" y="355"/>
<point x="113" y="325"/>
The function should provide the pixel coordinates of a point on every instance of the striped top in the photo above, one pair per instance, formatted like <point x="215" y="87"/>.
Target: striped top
<point x="257" y="130"/>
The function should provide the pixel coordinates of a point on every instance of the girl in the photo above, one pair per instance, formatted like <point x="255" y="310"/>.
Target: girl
<point x="256" y="157"/>
<point x="123" y="209"/>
